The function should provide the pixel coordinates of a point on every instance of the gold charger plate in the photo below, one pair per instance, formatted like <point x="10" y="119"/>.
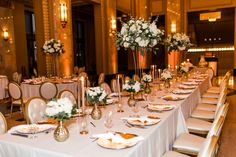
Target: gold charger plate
<point x="108" y="143"/>
<point x="171" y="98"/>
<point x="147" y="122"/>
<point x="159" y="107"/>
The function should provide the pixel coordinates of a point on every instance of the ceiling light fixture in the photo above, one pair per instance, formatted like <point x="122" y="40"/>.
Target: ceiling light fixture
<point x="63" y="14"/>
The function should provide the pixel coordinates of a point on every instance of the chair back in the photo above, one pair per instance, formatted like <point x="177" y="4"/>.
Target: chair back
<point x="14" y="91"/>
<point x="69" y="95"/>
<point x="35" y="110"/>
<point x="15" y="76"/>
<point x="3" y="124"/>
<point x="127" y="78"/>
<point x="101" y="78"/>
<point x="216" y="127"/>
<point x="210" y="73"/>
<point x="76" y="70"/>
<point x="48" y="90"/>
<point x="209" y="147"/>
<point x="222" y="111"/>
<point x="84" y="74"/>
<point x="106" y="87"/>
<point x="114" y="87"/>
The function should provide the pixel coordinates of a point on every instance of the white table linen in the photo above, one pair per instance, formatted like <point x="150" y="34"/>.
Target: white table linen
<point x="157" y="138"/>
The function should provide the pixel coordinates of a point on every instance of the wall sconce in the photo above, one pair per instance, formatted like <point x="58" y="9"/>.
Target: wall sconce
<point x="5" y="35"/>
<point x="173" y="27"/>
<point x="63" y="14"/>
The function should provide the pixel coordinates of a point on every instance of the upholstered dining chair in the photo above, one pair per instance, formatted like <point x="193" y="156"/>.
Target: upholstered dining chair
<point x="48" y="90"/>
<point x="15" y="76"/>
<point x="101" y="78"/>
<point x="208" y="149"/>
<point x="191" y="144"/>
<point x="106" y="87"/>
<point x="69" y="95"/>
<point x="15" y="93"/>
<point x="3" y="124"/>
<point x="202" y="127"/>
<point x="127" y="78"/>
<point x="136" y="77"/>
<point x="35" y="110"/>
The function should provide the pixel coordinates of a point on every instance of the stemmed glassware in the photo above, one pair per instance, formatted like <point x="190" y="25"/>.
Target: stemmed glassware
<point x="108" y="121"/>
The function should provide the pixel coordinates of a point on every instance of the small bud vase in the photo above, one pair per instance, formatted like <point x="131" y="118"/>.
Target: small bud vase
<point x="96" y="113"/>
<point x="147" y="88"/>
<point x="131" y="100"/>
<point x="61" y="133"/>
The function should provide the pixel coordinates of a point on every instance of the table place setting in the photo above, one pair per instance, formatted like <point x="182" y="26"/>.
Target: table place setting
<point x="186" y="87"/>
<point x="160" y="107"/>
<point x="142" y="120"/>
<point x="181" y="91"/>
<point x="30" y="130"/>
<point x="117" y="140"/>
<point x="173" y="97"/>
<point x="190" y="83"/>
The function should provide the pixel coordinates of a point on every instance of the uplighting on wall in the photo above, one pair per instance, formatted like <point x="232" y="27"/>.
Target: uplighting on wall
<point x="113" y="27"/>
<point x="63" y="14"/>
<point x="173" y="27"/>
<point x="5" y="35"/>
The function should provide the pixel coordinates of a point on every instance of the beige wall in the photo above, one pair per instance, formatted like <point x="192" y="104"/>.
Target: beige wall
<point x="7" y="49"/>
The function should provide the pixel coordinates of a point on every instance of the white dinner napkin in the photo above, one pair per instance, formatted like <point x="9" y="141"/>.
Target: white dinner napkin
<point x="141" y="118"/>
<point x="116" y="138"/>
<point x="181" y="91"/>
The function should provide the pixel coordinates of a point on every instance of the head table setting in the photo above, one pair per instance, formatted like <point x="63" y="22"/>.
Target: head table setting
<point x="119" y="128"/>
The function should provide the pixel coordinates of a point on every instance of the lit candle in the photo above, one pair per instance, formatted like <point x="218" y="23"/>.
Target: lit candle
<point x="187" y="60"/>
<point x="118" y="85"/>
<point x="82" y="92"/>
<point x="176" y="67"/>
<point x="169" y="66"/>
<point x="159" y="73"/>
<point x="153" y="71"/>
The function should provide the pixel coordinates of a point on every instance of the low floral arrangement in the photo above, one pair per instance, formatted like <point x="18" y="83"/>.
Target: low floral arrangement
<point x="186" y="67"/>
<point x="138" y="33"/>
<point x="96" y="95"/>
<point x="166" y="75"/>
<point x="60" y="109"/>
<point x="53" y="46"/>
<point x="147" y="78"/>
<point x="178" y="41"/>
<point x="132" y="86"/>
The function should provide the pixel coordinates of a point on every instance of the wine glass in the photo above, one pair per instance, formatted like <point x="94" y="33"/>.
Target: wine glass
<point x="135" y="109"/>
<point x="108" y="121"/>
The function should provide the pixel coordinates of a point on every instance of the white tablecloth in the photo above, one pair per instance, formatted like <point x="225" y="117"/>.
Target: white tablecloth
<point x="157" y="138"/>
<point x="3" y="85"/>
<point x="32" y="90"/>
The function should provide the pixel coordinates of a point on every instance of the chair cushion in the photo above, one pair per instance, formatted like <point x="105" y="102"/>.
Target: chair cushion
<point x="18" y="102"/>
<point x="217" y="91"/>
<point x="188" y="143"/>
<point x="206" y="107"/>
<point x="209" y="100"/>
<point x="173" y="154"/>
<point x="210" y="95"/>
<point x="198" y="125"/>
<point x="201" y="114"/>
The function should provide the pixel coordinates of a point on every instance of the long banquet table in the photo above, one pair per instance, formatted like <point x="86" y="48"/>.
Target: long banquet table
<point x="157" y="138"/>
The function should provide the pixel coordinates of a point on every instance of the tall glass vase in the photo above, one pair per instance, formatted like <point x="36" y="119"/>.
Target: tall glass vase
<point x="55" y="66"/>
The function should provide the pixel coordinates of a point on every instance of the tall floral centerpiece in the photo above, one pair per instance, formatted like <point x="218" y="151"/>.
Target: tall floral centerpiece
<point x="138" y="35"/>
<point x="54" y="48"/>
<point x="147" y="79"/>
<point x="132" y="87"/>
<point x="96" y="95"/>
<point x="60" y="110"/>
<point x="178" y="42"/>
<point x="166" y="75"/>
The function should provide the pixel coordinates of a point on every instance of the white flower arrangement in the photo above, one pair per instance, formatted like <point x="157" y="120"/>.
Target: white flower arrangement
<point x="96" y="95"/>
<point x="53" y="46"/>
<point x="132" y="86"/>
<point x="138" y="33"/>
<point x="166" y="75"/>
<point x="60" y="109"/>
<point x="147" y="78"/>
<point x="178" y="41"/>
<point x="186" y="67"/>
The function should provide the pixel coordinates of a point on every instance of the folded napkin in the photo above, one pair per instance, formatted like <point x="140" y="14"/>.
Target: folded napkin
<point x="160" y="106"/>
<point x="190" y="83"/>
<point x="181" y="91"/>
<point x="186" y="86"/>
<point x="27" y="128"/>
<point x="119" y="137"/>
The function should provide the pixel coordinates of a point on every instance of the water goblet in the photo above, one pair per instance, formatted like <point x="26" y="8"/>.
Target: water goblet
<point x="108" y="121"/>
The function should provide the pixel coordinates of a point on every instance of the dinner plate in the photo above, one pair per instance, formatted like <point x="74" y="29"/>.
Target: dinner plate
<point x="127" y="138"/>
<point x="30" y="129"/>
<point x="143" y="121"/>
<point x="189" y="83"/>
<point x="160" y="107"/>
<point x="184" y="87"/>
<point x="172" y="98"/>
<point x="181" y="91"/>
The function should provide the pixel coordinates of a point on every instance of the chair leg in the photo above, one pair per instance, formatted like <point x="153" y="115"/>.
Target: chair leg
<point x="11" y="110"/>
